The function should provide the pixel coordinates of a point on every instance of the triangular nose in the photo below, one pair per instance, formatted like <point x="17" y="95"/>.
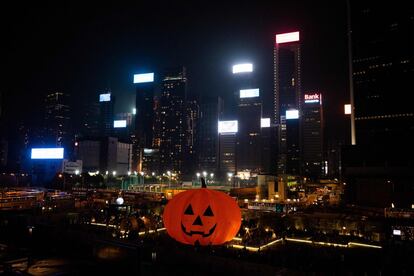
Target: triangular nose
<point x="198" y="221"/>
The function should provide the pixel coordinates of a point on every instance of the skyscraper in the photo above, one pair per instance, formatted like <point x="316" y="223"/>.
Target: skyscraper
<point x="249" y="134"/>
<point x="312" y="135"/>
<point x="227" y="131"/>
<point x="192" y="120"/>
<point x="287" y="99"/>
<point x="56" y="120"/>
<point x="382" y="59"/>
<point x="106" y="114"/>
<point x="378" y="168"/>
<point x="287" y="74"/>
<point x="144" y="117"/>
<point x="173" y="121"/>
<point x="207" y="136"/>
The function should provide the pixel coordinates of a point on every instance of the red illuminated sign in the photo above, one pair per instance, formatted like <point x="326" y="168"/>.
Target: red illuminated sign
<point x="312" y="98"/>
<point x="287" y="37"/>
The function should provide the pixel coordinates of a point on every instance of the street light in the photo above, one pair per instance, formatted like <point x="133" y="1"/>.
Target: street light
<point x="142" y="175"/>
<point x="76" y="172"/>
<point x="204" y="173"/>
<point x="169" y="179"/>
<point x="198" y="177"/>
<point x="129" y="173"/>
<point x="230" y="175"/>
<point x="114" y="173"/>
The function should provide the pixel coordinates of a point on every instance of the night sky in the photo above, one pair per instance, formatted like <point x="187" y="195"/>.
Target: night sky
<point x="82" y="49"/>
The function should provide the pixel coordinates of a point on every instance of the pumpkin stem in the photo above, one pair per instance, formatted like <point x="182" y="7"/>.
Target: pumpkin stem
<point x="203" y="183"/>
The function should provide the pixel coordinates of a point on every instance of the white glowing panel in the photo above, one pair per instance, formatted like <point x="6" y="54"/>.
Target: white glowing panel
<point x="47" y="153"/>
<point x="249" y="93"/>
<point x="148" y="150"/>
<point x="348" y="109"/>
<point x="396" y="232"/>
<point x="228" y="126"/>
<point x="292" y="114"/>
<point x="312" y="98"/>
<point x="287" y="37"/>
<point x="242" y="68"/>
<point x="142" y="78"/>
<point x="265" y="122"/>
<point x="105" y="97"/>
<point x="134" y="111"/>
<point x="120" y="123"/>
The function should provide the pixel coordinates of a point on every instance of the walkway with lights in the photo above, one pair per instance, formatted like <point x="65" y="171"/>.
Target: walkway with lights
<point x="307" y="241"/>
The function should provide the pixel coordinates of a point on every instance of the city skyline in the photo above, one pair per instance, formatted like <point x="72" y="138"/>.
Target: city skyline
<point x="112" y="63"/>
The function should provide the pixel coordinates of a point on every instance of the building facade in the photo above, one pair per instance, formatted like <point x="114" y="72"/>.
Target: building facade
<point x="172" y="121"/>
<point x="56" y="120"/>
<point x="312" y="135"/>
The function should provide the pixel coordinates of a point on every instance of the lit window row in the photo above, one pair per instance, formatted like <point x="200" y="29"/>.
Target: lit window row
<point x="385" y="116"/>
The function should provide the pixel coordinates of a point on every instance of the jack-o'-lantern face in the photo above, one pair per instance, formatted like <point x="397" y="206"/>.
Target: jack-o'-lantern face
<point x="202" y="216"/>
<point x="203" y="224"/>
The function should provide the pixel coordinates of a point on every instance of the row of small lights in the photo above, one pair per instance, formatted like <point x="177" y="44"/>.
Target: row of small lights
<point x="205" y="174"/>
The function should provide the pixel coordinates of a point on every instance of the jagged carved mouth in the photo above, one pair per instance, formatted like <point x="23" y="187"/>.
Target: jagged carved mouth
<point x="191" y="233"/>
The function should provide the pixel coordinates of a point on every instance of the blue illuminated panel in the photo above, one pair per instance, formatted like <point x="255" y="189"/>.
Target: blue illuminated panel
<point x="47" y="153"/>
<point x="105" y="97"/>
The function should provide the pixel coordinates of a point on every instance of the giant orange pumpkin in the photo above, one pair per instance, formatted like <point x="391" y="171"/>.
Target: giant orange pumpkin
<point x="202" y="216"/>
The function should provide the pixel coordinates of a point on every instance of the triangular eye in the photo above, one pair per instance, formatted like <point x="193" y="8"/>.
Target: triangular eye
<point x="189" y="210"/>
<point x="208" y="212"/>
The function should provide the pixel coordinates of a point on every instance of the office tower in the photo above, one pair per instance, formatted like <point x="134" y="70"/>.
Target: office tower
<point x="106" y="108"/>
<point x="207" y="136"/>
<point x="144" y="117"/>
<point x="227" y="131"/>
<point x="248" y="136"/>
<point x="56" y="120"/>
<point x="382" y="61"/>
<point x="192" y="120"/>
<point x="172" y="118"/>
<point x="287" y="74"/>
<point x="291" y="144"/>
<point x="287" y="98"/>
<point x="243" y="77"/>
<point x="378" y="168"/>
<point x="312" y="135"/>
<point x="268" y="138"/>
<point x="123" y="125"/>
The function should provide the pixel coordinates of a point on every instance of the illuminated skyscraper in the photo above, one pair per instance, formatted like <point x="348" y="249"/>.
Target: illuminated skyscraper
<point x="249" y="134"/>
<point x="144" y="117"/>
<point x="106" y="113"/>
<point x="172" y="117"/>
<point x="312" y="135"/>
<point x="207" y="135"/>
<point x="287" y="74"/>
<point x="227" y="131"/>
<point x="287" y="98"/>
<point x="378" y="168"/>
<point x="57" y="118"/>
<point x="382" y="59"/>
